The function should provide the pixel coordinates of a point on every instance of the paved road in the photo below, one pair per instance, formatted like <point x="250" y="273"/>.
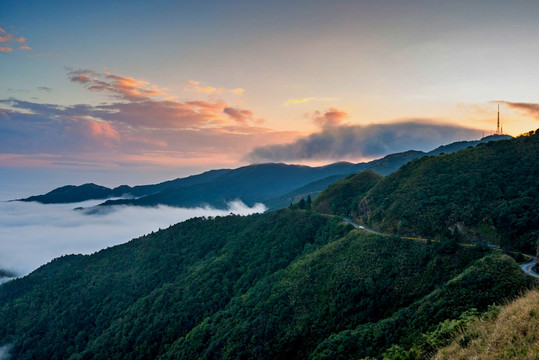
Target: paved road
<point x="527" y="267"/>
<point x="347" y="220"/>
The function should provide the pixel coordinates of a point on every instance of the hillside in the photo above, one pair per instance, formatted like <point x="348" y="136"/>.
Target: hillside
<point x="343" y="197"/>
<point x="264" y="286"/>
<point x="276" y="185"/>
<point x="509" y="332"/>
<point x="487" y="193"/>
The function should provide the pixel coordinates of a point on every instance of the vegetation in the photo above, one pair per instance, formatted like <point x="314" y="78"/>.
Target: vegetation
<point x="343" y="197"/>
<point x="175" y="277"/>
<point x="488" y="281"/>
<point x="488" y="193"/>
<point x="510" y="332"/>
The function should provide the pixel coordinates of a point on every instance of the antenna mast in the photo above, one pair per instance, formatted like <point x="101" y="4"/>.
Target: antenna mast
<point x="498" y="126"/>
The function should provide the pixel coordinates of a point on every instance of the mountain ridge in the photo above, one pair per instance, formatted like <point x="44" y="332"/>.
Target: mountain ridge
<point x="218" y="187"/>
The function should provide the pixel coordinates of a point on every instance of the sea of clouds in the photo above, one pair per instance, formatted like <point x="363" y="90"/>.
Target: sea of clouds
<point x="32" y="234"/>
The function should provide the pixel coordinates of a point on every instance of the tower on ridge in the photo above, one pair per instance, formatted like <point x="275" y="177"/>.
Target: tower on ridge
<point x="498" y="126"/>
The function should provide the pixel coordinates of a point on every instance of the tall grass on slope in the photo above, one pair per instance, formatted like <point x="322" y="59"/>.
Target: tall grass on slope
<point x="512" y="334"/>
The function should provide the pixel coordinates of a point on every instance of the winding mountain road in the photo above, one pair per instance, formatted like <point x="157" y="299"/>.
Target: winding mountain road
<point x="527" y="268"/>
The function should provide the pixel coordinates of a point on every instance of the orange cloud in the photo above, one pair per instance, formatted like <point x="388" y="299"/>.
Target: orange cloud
<point x="237" y="91"/>
<point x="21" y="40"/>
<point x="5" y="49"/>
<point x="126" y="88"/>
<point x="331" y="117"/>
<point x="25" y="47"/>
<point x="297" y="101"/>
<point x="193" y="85"/>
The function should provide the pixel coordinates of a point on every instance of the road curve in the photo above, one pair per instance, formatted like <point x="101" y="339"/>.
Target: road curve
<point x="527" y="268"/>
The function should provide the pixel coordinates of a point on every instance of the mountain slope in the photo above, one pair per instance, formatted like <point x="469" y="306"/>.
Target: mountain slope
<point x="508" y="333"/>
<point x="208" y="286"/>
<point x="488" y="193"/>
<point x="343" y="197"/>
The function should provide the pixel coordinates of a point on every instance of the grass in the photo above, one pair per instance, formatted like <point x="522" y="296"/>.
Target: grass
<point x="513" y="333"/>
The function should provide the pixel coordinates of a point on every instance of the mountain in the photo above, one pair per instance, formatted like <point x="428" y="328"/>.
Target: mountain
<point x="488" y="193"/>
<point x="276" y="185"/>
<point x="252" y="184"/>
<point x="285" y="284"/>
<point x="292" y="283"/>
<point x="72" y="193"/>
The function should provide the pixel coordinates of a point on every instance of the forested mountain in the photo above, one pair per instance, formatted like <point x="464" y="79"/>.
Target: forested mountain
<point x="488" y="193"/>
<point x="276" y="185"/>
<point x="343" y="197"/>
<point x="286" y="284"/>
<point x="297" y="284"/>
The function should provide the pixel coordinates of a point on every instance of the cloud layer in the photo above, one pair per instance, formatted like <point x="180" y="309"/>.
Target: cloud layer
<point x="357" y="141"/>
<point x="139" y="123"/>
<point x="33" y="234"/>
<point x="530" y="108"/>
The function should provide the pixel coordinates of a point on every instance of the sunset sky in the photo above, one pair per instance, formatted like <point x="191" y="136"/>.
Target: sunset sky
<point x="144" y="91"/>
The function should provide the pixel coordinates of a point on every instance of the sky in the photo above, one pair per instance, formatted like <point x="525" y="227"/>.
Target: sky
<point x="133" y="92"/>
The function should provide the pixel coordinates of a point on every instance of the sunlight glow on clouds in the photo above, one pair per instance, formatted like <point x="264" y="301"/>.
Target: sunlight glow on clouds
<point x="134" y="124"/>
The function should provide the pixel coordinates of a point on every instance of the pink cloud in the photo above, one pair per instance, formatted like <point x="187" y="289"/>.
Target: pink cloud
<point x="6" y="38"/>
<point x="165" y="114"/>
<point x="331" y="117"/>
<point x="100" y="129"/>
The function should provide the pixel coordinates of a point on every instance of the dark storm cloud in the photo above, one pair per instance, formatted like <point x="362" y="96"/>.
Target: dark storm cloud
<point x="357" y="141"/>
